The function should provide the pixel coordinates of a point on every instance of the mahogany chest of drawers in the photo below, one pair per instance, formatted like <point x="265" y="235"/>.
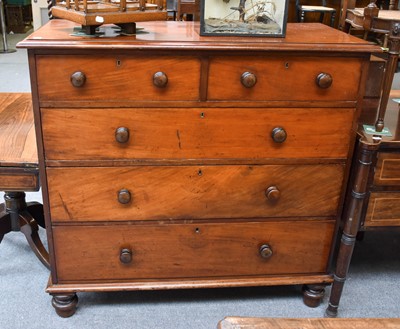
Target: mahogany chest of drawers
<point x="170" y="160"/>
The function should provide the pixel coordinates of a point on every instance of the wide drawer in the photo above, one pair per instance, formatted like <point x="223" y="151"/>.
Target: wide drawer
<point x="193" y="192"/>
<point x="117" y="78"/>
<point x="193" y="133"/>
<point x="191" y="250"/>
<point x="284" y="78"/>
<point x="387" y="170"/>
<point x="383" y="209"/>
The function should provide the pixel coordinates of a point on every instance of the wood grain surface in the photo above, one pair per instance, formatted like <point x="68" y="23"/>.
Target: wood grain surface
<point x="189" y="192"/>
<point x="17" y="134"/>
<point x="193" y="133"/>
<point x="282" y="323"/>
<point x="191" y="250"/>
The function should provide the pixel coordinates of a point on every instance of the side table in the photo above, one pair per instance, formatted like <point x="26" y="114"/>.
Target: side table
<point x="19" y="171"/>
<point x="373" y="198"/>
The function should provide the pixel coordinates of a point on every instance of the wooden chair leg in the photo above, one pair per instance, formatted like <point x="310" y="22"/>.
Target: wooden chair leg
<point x="333" y="16"/>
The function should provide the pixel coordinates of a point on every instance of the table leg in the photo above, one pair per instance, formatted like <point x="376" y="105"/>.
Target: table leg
<point x="29" y="228"/>
<point x="352" y="219"/>
<point x="16" y="215"/>
<point x="5" y="222"/>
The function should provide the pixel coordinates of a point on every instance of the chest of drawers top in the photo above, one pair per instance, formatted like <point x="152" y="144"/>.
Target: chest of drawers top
<point x="317" y="38"/>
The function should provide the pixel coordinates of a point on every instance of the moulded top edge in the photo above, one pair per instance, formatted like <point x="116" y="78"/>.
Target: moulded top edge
<point x="171" y="35"/>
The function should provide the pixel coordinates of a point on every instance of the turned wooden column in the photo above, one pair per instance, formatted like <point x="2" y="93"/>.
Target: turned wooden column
<point x="391" y="66"/>
<point x="352" y="220"/>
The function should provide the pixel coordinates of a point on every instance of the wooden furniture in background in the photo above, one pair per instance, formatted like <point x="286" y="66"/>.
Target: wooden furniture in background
<point x="321" y="9"/>
<point x="373" y="198"/>
<point x="231" y="175"/>
<point x="364" y="163"/>
<point x="386" y="23"/>
<point x="381" y="207"/>
<point x="369" y="18"/>
<point x="92" y="14"/>
<point x="282" y="323"/>
<point x="19" y="171"/>
<point x="191" y="8"/>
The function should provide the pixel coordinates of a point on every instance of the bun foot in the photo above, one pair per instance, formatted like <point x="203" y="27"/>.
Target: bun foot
<point x="313" y="294"/>
<point x="65" y="305"/>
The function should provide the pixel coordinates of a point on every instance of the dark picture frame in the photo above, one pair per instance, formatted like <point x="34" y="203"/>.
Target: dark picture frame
<point x="257" y="18"/>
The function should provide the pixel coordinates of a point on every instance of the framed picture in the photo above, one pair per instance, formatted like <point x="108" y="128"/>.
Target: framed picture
<point x="257" y="18"/>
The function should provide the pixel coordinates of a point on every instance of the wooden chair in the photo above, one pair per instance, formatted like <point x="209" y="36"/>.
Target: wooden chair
<point x="322" y="10"/>
<point x="381" y="22"/>
<point x="352" y="15"/>
<point x="19" y="171"/>
<point x="171" y="9"/>
<point x="188" y="7"/>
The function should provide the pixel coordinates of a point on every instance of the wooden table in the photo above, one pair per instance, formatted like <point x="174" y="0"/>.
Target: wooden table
<point x="282" y="323"/>
<point x="19" y="171"/>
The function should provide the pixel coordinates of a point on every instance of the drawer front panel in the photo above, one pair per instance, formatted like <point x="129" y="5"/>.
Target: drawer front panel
<point x="383" y="209"/>
<point x="387" y="170"/>
<point x="72" y="134"/>
<point x="283" y="78"/>
<point x="190" y="192"/>
<point x="191" y="250"/>
<point x="117" y="78"/>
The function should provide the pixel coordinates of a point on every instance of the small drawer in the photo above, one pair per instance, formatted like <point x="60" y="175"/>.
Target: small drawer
<point x="387" y="170"/>
<point x="117" y="78"/>
<point x="192" y="133"/>
<point x="383" y="209"/>
<point x="134" y="252"/>
<point x="193" y="192"/>
<point x="19" y="179"/>
<point x="290" y="79"/>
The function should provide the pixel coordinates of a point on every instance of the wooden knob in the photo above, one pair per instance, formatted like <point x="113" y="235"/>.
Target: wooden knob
<point x="278" y="134"/>
<point x="124" y="196"/>
<point x="125" y="256"/>
<point x="265" y="251"/>
<point x="272" y="193"/>
<point x="122" y="134"/>
<point x="248" y="79"/>
<point x="78" y="79"/>
<point x="324" y="80"/>
<point x="160" y="79"/>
